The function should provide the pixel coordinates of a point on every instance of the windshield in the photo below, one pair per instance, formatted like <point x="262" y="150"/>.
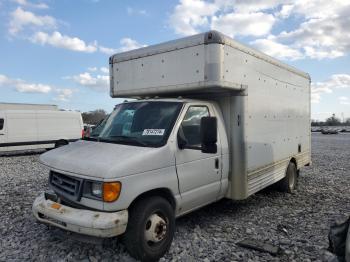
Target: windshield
<point x="98" y="128"/>
<point x="139" y="123"/>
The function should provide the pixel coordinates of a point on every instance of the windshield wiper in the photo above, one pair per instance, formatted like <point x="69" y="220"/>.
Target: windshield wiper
<point x="90" y="138"/>
<point x="128" y="139"/>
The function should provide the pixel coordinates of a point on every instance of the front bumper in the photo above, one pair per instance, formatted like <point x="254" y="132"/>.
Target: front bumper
<point x="93" y="223"/>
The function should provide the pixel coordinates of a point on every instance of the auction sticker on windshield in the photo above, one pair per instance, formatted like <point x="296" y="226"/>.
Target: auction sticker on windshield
<point x="153" y="132"/>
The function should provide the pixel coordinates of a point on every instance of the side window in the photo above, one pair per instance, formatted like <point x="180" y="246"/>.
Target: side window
<point x="190" y="126"/>
<point x="1" y="123"/>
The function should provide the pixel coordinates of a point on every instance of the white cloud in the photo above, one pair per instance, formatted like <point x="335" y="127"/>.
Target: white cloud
<point x="126" y="44"/>
<point x="19" y="19"/>
<point x="133" y="11"/>
<point x="323" y="32"/>
<point x="190" y="15"/>
<point x="32" y="88"/>
<point x="97" y="83"/>
<point x="344" y="100"/>
<point x="275" y="49"/>
<point x="56" y="39"/>
<point x="23" y="86"/>
<point x="31" y="5"/>
<point x="92" y="69"/>
<point x="248" y="6"/>
<point x="320" y="37"/>
<point x="337" y="81"/>
<point x="253" y="24"/>
<point x="41" y="30"/>
<point x="232" y="17"/>
<point x="316" y="8"/>
<point x="64" y="94"/>
<point x="285" y="11"/>
<point x="104" y="70"/>
<point x="4" y="80"/>
<point x="315" y="98"/>
<point x="107" y="50"/>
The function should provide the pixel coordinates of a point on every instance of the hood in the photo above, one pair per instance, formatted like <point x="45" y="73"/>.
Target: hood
<point x="106" y="160"/>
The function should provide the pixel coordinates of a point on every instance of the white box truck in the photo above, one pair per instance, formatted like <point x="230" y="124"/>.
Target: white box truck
<point x="30" y="126"/>
<point x="212" y="119"/>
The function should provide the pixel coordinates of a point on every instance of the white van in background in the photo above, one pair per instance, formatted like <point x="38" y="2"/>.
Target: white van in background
<point x="28" y="126"/>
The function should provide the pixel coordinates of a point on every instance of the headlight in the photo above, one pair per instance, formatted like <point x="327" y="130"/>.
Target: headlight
<point x="96" y="189"/>
<point x="105" y="191"/>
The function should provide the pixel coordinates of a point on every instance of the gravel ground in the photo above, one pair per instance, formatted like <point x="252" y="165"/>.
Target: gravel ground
<point x="298" y="223"/>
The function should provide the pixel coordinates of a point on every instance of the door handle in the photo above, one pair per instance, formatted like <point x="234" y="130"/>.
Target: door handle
<point x="216" y="163"/>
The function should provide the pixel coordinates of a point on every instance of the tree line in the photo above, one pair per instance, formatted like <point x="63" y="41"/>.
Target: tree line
<point x="94" y="117"/>
<point x="331" y="121"/>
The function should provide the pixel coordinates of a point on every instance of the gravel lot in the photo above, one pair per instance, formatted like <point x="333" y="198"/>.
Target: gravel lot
<point x="298" y="223"/>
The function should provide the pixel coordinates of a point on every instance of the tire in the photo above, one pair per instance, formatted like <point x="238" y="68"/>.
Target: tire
<point x="60" y="143"/>
<point x="289" y="182"/>
<point x="146" y="237"/>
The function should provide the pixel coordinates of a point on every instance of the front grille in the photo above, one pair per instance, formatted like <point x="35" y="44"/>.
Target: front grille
<point x="67" y="186"/>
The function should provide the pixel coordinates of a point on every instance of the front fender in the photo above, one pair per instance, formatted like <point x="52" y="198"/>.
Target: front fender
<point x="138" y="184"/>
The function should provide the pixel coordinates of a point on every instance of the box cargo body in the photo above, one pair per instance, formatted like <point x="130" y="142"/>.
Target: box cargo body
<point x="265" y="103"/>
<point x="29" y="126"/>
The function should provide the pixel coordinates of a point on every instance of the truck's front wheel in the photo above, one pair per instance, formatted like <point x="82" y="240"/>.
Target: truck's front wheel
<point x="150" y="229"/>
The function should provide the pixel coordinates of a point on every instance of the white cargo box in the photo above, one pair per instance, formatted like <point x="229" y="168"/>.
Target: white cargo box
<point x="207" y="62"/>
<point x="265" y="103"/>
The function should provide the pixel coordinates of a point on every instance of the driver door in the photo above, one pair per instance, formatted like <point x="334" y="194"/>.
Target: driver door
<point x="199" y="173"/>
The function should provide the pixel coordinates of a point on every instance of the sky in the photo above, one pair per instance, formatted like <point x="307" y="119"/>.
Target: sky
<point x="56" y="51"/>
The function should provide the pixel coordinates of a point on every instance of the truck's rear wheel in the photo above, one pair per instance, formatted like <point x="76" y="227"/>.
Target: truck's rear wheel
<point x="150" y="229"/>
<point x="289" y="182"/>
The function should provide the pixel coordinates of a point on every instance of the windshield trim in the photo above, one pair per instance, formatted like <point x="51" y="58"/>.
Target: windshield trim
<point x="166" y="136"/>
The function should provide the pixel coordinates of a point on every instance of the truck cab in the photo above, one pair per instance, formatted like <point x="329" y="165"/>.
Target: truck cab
<point x="174" y="148"/>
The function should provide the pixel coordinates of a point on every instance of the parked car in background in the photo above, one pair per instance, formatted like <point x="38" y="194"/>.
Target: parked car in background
<point x="329" y="131"/>
<point x="88" y="129"/>
<point x="30" y="126"/>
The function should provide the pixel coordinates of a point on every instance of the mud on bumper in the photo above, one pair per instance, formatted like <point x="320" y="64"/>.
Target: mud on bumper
<point x="93" y="223"/>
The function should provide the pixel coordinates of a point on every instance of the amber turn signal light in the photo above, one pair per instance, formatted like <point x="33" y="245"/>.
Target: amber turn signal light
<point x="111" y="191"/>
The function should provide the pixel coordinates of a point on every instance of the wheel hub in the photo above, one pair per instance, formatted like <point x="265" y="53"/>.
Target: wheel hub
<point x="156" y="229"/>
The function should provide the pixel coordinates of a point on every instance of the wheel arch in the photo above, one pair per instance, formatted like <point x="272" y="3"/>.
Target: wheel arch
<point x="162" y="192"/>
<point x="295" y="162"/>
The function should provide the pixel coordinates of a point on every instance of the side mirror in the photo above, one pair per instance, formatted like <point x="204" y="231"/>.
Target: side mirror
<point x="209" y="134"/>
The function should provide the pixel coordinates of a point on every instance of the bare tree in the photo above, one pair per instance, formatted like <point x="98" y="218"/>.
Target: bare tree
<point x="333" y="121"/>
<point x="94" y="117"/>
